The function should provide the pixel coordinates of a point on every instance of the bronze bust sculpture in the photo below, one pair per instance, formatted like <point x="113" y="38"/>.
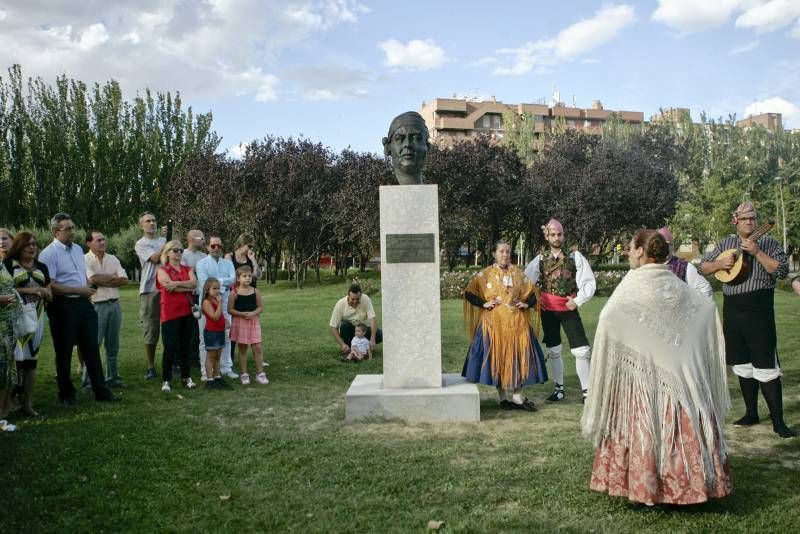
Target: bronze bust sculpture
<point x="407" y="144"/>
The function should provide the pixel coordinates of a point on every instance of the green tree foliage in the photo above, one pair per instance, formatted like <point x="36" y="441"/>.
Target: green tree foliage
<point x="86" y="151"/>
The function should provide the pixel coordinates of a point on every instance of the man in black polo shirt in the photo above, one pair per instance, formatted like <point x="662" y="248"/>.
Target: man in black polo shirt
<point x="749" y="317"/>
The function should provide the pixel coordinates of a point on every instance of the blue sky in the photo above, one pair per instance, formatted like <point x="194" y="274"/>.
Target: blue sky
<point x="337" y="71"/>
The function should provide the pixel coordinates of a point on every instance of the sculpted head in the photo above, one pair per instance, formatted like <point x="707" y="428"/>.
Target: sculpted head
<point x="407" y="144"/>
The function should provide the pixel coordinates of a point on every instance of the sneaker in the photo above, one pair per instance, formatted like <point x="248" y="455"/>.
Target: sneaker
<point x="166" y="387"/>
<point x="150" y="374"/>
<point x="220" y="383"/>
<point x="245" y="379"/>
<point x="5" y="426"/>
<point x="231" y="374"/>
<point x="188" y="383"/>
<point x="261" y="378"/>
<point x="203" y="377"/>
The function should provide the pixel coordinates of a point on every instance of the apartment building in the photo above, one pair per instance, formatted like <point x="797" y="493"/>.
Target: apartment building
<point x="770" y="121"/>
<point x="454" y="119"/>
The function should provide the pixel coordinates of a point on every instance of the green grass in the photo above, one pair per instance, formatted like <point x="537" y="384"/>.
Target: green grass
<point x="281" y="458"/>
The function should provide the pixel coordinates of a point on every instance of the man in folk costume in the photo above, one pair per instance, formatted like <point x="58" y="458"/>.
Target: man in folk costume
<point x="567" y="282"/>
<point x="683" y="269"/>
<point x="749" y="317"/>
<point x="504" y="351"/>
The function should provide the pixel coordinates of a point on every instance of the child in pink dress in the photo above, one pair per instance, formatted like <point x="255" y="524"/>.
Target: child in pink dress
<point x="245" y="307"/>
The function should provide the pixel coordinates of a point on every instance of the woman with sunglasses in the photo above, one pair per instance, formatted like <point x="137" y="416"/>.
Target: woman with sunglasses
<point x="32" y="282"/>
<point x="176" y="283"/>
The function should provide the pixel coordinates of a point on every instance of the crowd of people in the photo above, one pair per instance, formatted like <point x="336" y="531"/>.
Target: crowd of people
<point x="199" y="302"/>
<point x="653" y="384"/>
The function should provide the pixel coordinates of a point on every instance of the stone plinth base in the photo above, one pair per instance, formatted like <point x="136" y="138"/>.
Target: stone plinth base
<point x="455" y="402"/>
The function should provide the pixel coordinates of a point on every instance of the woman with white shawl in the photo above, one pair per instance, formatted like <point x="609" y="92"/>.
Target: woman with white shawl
<point x="658" y="394"/>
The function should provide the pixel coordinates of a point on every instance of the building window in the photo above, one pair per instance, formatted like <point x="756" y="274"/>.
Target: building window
<point x="487" y="121"/>
<point x="497" y="122"/>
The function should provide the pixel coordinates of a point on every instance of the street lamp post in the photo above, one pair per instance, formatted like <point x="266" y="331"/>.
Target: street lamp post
<point x="779" y="179"/>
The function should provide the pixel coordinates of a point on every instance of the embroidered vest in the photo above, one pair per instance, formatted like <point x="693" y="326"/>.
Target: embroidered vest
<point x="557" y="275"/>
<point x="678" y="267"/>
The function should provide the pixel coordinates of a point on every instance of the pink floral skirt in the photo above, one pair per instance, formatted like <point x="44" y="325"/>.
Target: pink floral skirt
<point x="246" y="331"/>
<point x="631" y="472"/>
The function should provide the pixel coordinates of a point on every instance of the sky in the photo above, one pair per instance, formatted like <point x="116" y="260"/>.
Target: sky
<point x="337" y="71"/>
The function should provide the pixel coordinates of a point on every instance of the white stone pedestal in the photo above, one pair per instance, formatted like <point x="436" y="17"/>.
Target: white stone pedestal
<point x="456" y="401"/>
<point x="412" y="386"/>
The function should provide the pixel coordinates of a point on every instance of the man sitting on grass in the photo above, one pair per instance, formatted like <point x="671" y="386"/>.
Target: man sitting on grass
<point x="350" y="310"/>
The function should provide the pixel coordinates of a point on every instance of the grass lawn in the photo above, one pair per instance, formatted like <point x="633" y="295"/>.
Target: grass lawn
<point x="281" y="458"/>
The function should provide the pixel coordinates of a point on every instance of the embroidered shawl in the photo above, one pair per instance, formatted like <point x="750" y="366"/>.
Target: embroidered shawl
<point x="658" y="348"/>
<point x="507" y="327"/>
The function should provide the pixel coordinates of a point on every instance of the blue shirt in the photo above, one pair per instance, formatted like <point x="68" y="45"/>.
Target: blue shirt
<point x="66" y="264"/>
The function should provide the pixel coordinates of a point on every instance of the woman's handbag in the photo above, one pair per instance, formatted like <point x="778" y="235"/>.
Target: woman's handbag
<point x="24" y="318"/>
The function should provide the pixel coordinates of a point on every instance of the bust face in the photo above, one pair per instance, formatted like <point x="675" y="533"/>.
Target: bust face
<point x="408" y="148"/>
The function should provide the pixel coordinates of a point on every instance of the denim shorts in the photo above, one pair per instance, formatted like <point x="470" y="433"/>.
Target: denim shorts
<point x="213" y="340"/>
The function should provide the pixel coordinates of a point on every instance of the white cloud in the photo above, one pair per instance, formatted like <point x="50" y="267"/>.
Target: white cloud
<point x="749" y="47"/>
<point x="414" y="55"/>
<point x="205" y="49"/>
<point x="3" y="14"/>
<point x="776" y="104"/>
<point x="687" y="16"/>
<point x="238" y="151"/>
<point x="570" y="42"/>
<point x="93" y="36"/>
<point x="769" y="16"/>
<point x="329" y="83"/>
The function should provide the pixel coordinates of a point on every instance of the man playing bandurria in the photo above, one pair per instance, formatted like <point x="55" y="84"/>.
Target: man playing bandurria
<point x="567" y="282"/>
<point x="749" y="317"/>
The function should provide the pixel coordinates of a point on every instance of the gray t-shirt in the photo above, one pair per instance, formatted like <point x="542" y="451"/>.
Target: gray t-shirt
<point x="145" y="248"/>
<point x="190" y="257"/>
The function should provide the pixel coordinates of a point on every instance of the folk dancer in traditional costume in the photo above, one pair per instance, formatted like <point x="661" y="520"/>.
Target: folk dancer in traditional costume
<point x="567" y="282"/>
<point x="658" y="396"/>
<point x="683" y="269"/>
<point x="504" y="352"/>
<point x="749" y="317"/>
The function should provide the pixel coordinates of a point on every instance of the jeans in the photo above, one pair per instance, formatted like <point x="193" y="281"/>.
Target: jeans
<point x="109" y="323"/>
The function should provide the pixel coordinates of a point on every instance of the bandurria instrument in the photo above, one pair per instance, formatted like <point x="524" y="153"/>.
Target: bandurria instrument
<point x="740" y="270"/>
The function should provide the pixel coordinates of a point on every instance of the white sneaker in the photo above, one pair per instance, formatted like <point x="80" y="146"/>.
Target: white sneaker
<point x="203" y="377"/>
<point x="189" y="383"/>
<point x="166" y="387"/>
<point x="5" y="426"/>
<point x="231" y="374"/>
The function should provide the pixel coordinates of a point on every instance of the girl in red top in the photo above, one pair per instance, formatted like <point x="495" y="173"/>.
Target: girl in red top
<point x="214" y="332"/>
<point x="176" y="283"/>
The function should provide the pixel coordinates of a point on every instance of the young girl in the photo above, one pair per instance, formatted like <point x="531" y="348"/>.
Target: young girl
<point x="214" y="332"/>
<point x="244" y="305"/>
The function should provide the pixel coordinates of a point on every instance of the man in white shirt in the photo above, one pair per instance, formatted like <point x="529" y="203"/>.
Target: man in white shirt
<point x="685" y="270"/>
<point x="353" y="308"/>
<point x="567" y="282"/>
<point x="105" y="272"/>
<point x="148" y="250"/>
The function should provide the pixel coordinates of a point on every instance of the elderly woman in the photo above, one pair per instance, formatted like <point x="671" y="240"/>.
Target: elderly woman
<point x="32" y="282"/>
<point x="7" y="303"/>
<point x="176" y="283"/>
<point x="658" y="393"/>
<point x="504" y="352"/>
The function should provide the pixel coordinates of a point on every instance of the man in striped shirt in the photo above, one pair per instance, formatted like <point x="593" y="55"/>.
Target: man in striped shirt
<point x="749" y="317"/>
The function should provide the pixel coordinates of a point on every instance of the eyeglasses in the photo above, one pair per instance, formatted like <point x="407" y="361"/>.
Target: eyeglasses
<point x="215" y="245"/>
<point x="747" y="218"/>
<point x="177" y="250"/>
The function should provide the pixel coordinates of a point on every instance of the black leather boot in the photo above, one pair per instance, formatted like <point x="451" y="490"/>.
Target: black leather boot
<point x="773" y="394"/>
<point x="749" y="387"/>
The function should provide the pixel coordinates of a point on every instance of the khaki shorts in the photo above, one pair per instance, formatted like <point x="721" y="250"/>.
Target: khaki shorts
<point x="150" y="316"/>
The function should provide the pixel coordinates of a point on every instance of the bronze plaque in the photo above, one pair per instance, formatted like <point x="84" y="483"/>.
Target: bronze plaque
<point x="410" y="248"/>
